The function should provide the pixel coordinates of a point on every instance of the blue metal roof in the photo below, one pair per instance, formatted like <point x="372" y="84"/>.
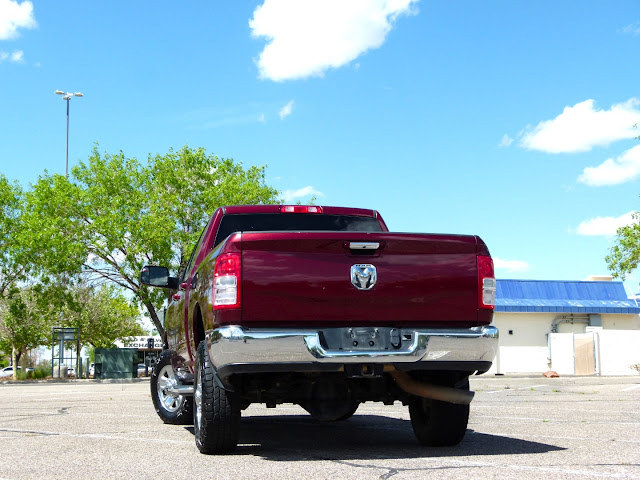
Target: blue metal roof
<point x="563" y="297"/>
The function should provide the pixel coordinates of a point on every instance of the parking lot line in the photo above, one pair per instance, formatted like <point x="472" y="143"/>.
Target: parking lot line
<point x="633" y="387"/>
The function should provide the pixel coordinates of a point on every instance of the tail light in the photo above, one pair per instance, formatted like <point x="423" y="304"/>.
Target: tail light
<point x="486" y="282"/>
<point x="226" y="281"/>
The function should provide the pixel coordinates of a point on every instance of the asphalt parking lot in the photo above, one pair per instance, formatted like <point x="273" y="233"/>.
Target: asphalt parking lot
<point x="519" y="428"/>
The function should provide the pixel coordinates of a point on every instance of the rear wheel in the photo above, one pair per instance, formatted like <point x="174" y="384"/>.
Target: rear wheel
<point x="439" y="424"/>
<point x="171" y="408"/>
<point x="216" y="413"/>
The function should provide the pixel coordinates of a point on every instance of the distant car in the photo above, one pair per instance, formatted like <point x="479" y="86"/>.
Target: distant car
<point x="142" y="370"/>
<point x="7" y="372"/>
<point x="92" y="370"/>
<point x="71" y="372"/>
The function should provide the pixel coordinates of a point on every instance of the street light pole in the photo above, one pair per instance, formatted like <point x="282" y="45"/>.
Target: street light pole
<point x="67" y="96"/>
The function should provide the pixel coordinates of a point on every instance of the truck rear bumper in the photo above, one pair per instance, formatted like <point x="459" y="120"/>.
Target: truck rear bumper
<point x="234" y="349"/>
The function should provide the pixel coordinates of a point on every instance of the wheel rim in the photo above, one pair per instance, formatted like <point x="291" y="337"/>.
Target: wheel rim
<point x="197" y="402"/>
<point x="171" y="402"/>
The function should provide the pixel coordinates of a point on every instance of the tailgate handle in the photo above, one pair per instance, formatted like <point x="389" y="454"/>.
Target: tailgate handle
<point x="364" y="245"/>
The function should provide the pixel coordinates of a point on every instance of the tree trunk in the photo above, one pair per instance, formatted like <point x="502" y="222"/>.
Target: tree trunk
<point x="18" y="356"/>
<point x="14" y="361"/>
<point x="154" y="316"/>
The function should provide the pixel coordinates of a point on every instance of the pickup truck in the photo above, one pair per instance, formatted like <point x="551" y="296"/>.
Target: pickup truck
<point x="322" y="307"/>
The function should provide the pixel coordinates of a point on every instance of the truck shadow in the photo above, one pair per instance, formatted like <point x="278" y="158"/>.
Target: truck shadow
<point x="301" y="438"/>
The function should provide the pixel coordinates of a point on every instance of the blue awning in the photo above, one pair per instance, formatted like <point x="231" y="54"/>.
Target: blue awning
<point x="563" y="297"/>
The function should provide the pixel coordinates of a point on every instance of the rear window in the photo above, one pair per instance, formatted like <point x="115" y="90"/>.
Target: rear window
<point x="294" y="222"/>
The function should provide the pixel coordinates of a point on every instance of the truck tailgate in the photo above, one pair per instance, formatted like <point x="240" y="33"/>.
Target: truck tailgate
<point x="294" y="277"/>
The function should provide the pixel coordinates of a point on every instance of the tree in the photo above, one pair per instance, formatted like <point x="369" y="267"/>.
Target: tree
<point x="101" y="315"/>
<point x="114" y="215"/>
<point x="11" y="268"/>
<point x="624" y="256"/>
<point x="26" y="318"/>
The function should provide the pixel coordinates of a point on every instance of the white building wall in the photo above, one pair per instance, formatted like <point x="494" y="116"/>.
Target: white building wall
<point x="621" y="322"/>
<point x="524" y="344"/>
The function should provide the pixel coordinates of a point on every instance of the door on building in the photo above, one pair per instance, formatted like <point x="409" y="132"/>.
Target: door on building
<point x="584" y="354"/>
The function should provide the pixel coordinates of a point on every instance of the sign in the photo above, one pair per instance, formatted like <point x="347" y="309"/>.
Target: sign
<point x="141" y="342"/>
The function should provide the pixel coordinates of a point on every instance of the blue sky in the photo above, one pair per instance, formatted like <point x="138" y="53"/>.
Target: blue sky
<point x="510" y="120"/>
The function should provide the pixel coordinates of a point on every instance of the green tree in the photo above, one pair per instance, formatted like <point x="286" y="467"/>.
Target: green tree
<point x="26" y="319"/>
<point x="11" y="205"/>
<point x="114" y="215"/>
<point x="102" y="315"/>
<point x="624" y="256"/>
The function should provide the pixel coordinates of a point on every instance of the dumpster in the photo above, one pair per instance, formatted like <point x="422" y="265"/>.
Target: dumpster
<point x="116" y="363"/>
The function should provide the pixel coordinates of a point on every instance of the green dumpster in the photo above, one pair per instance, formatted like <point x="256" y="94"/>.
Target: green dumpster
<point x="116" y="363"/>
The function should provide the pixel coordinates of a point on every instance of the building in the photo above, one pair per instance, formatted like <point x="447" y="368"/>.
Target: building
<point x="571" y="327"/>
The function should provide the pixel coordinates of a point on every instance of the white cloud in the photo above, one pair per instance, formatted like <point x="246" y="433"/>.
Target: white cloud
<point x="614" y="171"/>
<point x="293" y="195"/>
<point x="286" y="110"/>
<point x="13" y="16"/>
<point x="510" y="265"/>
<point x="631" y="29"/>
<point x="16" y="56"/>
<point x="506" y="141"/>
<point x="306" y="38"/>
<point x="582" y="127"/>
<point x="604" y="226"/>
<point x="262" y="118"/>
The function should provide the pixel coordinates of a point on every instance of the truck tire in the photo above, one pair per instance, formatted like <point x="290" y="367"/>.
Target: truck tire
<point x="171" y="408"/>
<point x="216" y="413"/>
<point x="439" y="424"/>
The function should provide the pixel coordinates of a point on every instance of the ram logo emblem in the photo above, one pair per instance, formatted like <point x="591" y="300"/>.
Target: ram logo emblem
<point x="364" y="276"/>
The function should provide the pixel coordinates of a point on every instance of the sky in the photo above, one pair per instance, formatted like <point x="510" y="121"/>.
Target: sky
<point x="509" y="120"/>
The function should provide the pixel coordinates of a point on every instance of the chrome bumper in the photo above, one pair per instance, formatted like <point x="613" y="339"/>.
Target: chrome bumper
<point x="234" y="345"/>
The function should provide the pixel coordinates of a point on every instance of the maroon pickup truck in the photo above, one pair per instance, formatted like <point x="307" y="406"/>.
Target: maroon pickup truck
<point x="325" y="308"/>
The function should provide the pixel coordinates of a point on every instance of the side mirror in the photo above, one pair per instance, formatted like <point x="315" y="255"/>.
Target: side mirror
<point x="158" y="277"/>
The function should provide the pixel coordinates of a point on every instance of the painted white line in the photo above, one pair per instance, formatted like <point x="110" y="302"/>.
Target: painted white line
<point x="36" y="433"/>
<point x="633" y="387"/>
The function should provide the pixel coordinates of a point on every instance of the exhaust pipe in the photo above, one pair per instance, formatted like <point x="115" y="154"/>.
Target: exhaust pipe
<point x="181" y="390"/>
<point x="433" y="392"/>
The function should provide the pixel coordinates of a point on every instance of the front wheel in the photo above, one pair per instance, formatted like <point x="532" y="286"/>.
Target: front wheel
<point x="171" y="408"/>
<point x="439" y="424"/>
<point x="216" y="413"/>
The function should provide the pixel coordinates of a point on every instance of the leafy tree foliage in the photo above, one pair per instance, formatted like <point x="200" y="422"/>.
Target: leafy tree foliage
<point x="114" y="215"/>
<point x="624" y="256"/>
<point x="27" y="316"/>
<point x="11" y="204"/>
<point x="102" y="315"/>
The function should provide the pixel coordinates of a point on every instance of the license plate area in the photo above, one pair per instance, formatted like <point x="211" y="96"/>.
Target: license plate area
<point x="365" y="339"/>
